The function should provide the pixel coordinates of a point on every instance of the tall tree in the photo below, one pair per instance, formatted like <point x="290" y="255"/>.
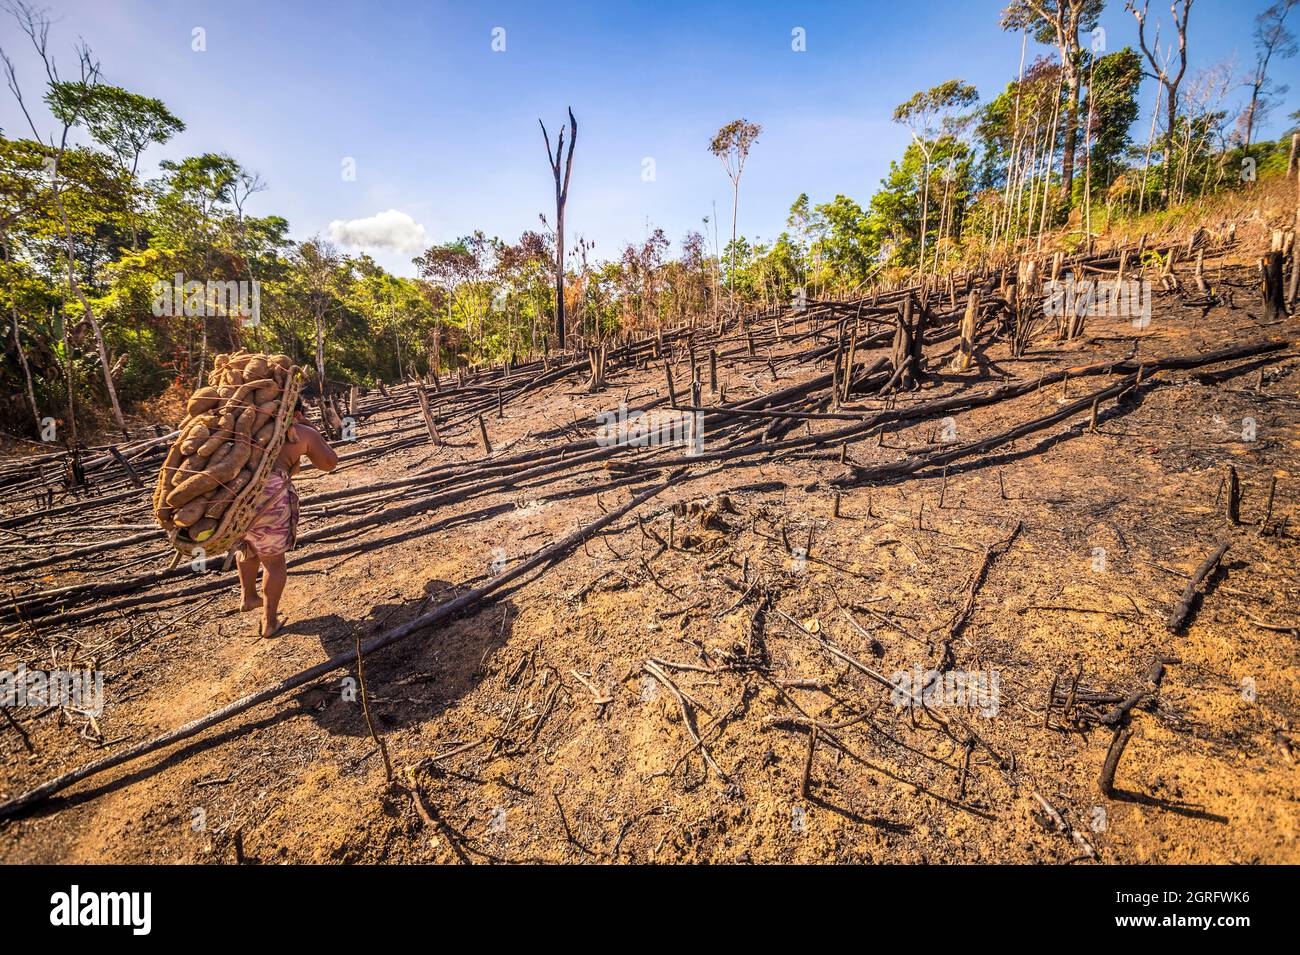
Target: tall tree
<point x="445" y="267"/>
<point x="1169" y="78"/>
<point x="1272" y="39"/>
<point x="732" y="144"/>
<point x="1114" y="82"/>
<point x="1059" y="22"/>
<point x="318" y="263"/>
<point x="123" y="122"/>
<point x="561" y="198"/>
<point x="930" y="115"/>
<point x="35" y="24"/>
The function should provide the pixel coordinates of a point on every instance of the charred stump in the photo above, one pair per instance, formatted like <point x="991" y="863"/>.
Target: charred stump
<point x="1270" y="268"/>
<point x="907" y="357"/>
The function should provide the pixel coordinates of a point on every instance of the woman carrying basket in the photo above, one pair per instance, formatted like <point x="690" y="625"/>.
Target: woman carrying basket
<point x="274" y="530"/>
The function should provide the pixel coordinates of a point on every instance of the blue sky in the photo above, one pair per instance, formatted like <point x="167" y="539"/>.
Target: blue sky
<point x="444" y="130"/>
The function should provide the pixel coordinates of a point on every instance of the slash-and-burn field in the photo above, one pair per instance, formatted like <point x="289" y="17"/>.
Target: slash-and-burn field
<point x="706" y="677"/>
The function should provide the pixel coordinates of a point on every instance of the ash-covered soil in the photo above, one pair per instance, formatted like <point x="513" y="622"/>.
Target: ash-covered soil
<point x="700" y="683"/>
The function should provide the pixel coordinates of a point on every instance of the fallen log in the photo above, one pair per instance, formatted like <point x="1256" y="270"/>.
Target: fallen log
<point x="961" y="402"/>
<point x="910" y="465"/>
<point x="1183" y="611"/>
<point x="914" y="463"/>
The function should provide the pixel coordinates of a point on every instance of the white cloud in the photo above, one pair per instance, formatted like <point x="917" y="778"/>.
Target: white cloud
<point x="385" y="230"/>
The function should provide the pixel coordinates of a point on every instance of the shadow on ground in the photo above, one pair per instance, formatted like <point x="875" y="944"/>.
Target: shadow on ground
<point x="408" y="682"/>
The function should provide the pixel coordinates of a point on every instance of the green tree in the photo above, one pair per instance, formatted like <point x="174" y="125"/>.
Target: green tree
<point x="124" y="123"/>
<point x="731" y="144"/>
<point x="930" y="114"/>
<point x="846" y="244"/>
<point x="1060" y="22"/>
<point x="1114" y="83"/>
<point x="35" y="25"/>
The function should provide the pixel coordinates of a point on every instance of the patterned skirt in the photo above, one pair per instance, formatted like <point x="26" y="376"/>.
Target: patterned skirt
<point x="275" y="528"/>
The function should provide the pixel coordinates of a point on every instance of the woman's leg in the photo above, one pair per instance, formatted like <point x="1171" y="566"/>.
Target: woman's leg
<point x="248" y="564"/>
<point x="273" y="578"/>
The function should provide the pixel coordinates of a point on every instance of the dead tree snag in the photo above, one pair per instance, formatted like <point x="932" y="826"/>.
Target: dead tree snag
<point x="561" y="199"/>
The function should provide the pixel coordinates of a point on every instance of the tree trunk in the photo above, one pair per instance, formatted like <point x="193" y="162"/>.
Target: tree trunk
<point x="907" y="358"/>
<point x="561" y="169"/>
<point x="1051" y="152"/>
<point x="1071" y="138"/>
<point x="22" y="357"/>
<point x="104" y="362"/>
<point x="27" y="373"/>
<point x="925" y="209"/>
<point x="1293" y="293"/>
<point x="1250" y="116"/>
<point x="966" y="349"/>
<point x="320" y="352"/>
<point x="559" y="268"/>
<point x="735" y="202"/>
<point x="1270" y="268"/>
<point x="67" y="376"/>
<point x="203" y="351"/>
<point x="1171" y="118"/>
<point x="1146" y="159"/>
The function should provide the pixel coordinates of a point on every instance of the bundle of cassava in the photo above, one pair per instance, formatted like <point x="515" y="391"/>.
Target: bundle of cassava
<point x="208" y="485"/>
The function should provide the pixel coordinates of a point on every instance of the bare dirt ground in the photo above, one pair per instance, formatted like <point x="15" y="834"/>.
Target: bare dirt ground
<point x="534" y="729"/>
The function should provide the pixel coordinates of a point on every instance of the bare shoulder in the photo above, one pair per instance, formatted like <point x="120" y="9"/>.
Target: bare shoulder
<point x="317" y="449"/>
<point x="305" y="434"/>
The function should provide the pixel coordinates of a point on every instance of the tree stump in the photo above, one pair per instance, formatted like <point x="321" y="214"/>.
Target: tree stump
<point x="907" y="356"/>
<point x="966" y="351"/>
<point x="1270" y="267"/>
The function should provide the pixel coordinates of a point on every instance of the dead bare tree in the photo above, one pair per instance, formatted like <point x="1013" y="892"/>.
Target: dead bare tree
<point x="1201" y="99"/>
<point x="561" y="198"/>
<point x="1272" y="39"/>
<point x="1169" y="80"/>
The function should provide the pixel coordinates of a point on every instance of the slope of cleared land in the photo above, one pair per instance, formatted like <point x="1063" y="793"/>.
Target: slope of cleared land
<point x="699" y="682"/>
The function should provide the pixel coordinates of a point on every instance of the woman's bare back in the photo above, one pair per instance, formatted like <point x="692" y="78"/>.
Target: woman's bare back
<point x="304" y="440"/>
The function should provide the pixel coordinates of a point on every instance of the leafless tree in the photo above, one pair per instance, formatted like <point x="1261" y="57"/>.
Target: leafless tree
<point x="561" y="198"/>
<point x="1202" y="118"/>
<point x="1272" y="40"/>
<point x="1170" y="79"/>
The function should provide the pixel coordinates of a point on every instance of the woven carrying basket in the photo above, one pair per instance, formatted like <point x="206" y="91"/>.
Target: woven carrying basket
<point x="241" y="511"/>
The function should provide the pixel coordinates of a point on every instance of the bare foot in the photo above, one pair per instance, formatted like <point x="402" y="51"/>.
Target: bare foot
<point x="250" y="603"/>
<point x="269" y="628"/>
